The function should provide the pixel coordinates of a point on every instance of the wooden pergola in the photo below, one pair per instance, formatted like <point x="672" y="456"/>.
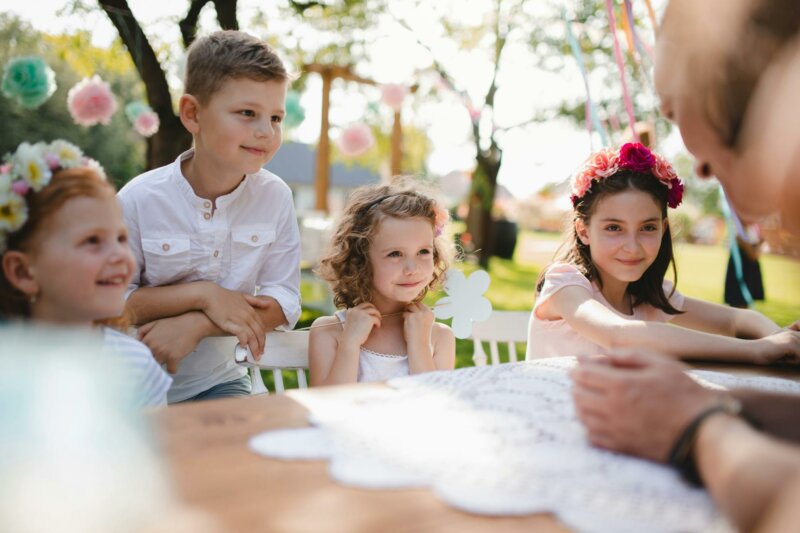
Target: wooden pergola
<point x="323" y="163"/>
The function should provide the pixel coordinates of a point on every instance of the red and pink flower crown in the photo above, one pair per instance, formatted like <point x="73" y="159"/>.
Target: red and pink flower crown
<point x="631" y="156"/>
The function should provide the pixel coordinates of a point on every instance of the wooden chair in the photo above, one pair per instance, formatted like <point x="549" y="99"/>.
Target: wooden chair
<point x="502" y="327"/>
<point x="283" y="350"/>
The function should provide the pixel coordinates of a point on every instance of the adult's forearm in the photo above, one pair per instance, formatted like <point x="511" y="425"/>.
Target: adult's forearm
<point x="743" y="469"/>
<point x="775" y="414"/>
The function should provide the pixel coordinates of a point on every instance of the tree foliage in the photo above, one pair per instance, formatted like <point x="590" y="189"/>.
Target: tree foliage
<point x="72" y="57"/>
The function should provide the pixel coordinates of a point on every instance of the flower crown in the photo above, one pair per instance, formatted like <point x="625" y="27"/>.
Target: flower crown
<point x="30" y="168"/>
<point x="631" y="156"/>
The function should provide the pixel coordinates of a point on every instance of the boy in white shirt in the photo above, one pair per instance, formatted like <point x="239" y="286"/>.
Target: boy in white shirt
<point x="214" y="234"/>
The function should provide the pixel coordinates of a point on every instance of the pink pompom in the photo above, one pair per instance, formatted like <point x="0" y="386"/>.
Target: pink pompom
<point x="5" y="169"/>
<point x="356" y="140"/>
<point x="393" y="94"/>
<point x="146" y="124"/>
<point x="91" y="102"/>
<point x="20" y="187"/>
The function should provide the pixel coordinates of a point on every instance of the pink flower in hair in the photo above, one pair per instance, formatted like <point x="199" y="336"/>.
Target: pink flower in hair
<point x="636" y="157"/>
<point x="52" y="160"/>
<point x="441" y="219"/>
<point x="91" y="102"/>
<point x="675" y="194"/>
<point x="20" y="187"/>
<point x="600" y="164"/>
<point x="662" y="169"/>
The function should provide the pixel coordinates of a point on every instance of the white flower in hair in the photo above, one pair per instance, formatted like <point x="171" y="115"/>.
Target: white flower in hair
<point x="29" y="162"/>
<point x="13" y="211"/>
<point x="68" y="154"/>
<point x="464" y="302"/>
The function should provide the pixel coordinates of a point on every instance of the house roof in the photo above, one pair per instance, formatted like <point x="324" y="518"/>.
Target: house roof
<point x="295" y="164"/>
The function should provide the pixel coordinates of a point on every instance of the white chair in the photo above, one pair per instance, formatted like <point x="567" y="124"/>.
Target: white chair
<point x="502" y="327"/>
<point x="283" y="350"/>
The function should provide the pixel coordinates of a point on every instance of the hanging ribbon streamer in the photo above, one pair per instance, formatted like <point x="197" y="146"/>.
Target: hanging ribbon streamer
<point x="576" y="51"/>
<point x="735" y="228"/>
<point x="626" y="27"/>
<point x="621" y="67"/>
<point x="652" y="13"/>
<point x="641" y="46"/>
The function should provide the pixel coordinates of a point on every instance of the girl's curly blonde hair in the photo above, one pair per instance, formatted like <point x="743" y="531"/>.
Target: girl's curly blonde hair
<point x="347" y="268"/>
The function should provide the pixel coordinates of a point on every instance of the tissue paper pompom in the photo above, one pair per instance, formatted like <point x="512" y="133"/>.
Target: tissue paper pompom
<point x="393" y="95"/>
<point x="295" y="114"/>
<point x="91" y="102"/>
<point x="29" y="81"/>
<point x="356" y="140"/>
<point x="134" y="109"/>
<point x="146" y="124"/>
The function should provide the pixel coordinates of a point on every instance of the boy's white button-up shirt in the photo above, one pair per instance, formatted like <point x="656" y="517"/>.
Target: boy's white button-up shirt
<point x="250" y="243"/>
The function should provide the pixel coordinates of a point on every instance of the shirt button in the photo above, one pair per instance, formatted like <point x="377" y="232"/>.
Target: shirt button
<point x="254" y="238"/>
<point x="206" y="215"/>
<point x="216" y="253"/>
<point x="165" y="247"/>
<point x="207" y="204"/>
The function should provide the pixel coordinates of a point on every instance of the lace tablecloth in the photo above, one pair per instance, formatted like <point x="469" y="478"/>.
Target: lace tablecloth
<point x="498" y="440"/>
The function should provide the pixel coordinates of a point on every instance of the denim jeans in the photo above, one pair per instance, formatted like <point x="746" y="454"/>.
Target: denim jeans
<point x="229" y="389"/>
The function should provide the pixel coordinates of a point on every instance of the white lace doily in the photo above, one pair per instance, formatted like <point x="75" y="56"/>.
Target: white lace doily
<point x="499" y="440"/>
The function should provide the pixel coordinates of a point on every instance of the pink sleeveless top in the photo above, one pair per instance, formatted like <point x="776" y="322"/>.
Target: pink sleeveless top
<point x="553" y="338"/>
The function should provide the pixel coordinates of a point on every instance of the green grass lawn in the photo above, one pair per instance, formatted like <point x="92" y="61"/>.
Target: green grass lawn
<point x="701" y="274"/>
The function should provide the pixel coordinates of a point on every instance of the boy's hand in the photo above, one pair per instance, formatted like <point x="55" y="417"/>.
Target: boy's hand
<point x="172" y="339"/>
<point x="417" y="326"/>
<point x="358" y="324"/>
<point x="235" y="313"/>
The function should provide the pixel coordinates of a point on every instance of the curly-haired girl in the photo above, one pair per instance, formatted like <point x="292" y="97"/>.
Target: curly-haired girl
<point x="387" y="252"/>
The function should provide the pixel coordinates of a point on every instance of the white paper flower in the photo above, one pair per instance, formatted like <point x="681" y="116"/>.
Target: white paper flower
<point x="464" y="302"/>
<point x="13" y="212"/>
<point x="68" y="154"/>
<point x="29" y="162"/>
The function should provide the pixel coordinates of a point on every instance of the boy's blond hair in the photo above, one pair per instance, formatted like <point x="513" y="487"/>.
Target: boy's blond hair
<point x="225" y="55"/>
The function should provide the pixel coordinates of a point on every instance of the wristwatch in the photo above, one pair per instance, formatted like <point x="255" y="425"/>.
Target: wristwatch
<point x="681" y="457"/>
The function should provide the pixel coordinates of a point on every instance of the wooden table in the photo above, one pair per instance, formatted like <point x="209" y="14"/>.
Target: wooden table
<point x="206" y="445"/>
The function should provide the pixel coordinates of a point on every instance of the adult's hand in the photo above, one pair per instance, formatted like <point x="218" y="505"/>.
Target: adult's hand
<point x="636" y="402"/>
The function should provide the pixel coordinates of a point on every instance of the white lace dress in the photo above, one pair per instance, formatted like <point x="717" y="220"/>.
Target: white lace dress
<point x="374" y="366"/>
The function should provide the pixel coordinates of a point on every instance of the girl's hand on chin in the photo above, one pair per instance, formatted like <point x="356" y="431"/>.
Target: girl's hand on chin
<point x="781" y="347"/>
<point x="417" y="324"/>
<point x="358" y="323"/>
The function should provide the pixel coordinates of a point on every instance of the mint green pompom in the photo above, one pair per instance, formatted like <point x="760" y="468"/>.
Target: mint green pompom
<point x="134" y="109"/>
<point x="295" y="114"/>
<point x="29" y="81"/>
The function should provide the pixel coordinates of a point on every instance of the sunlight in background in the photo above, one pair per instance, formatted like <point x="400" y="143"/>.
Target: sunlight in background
<point x="534" y="155"/>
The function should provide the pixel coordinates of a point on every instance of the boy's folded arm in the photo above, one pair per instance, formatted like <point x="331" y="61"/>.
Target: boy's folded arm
<point x="146" y="304"/>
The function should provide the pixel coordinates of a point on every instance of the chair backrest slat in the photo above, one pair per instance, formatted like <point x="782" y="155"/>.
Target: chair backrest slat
<point x="502" y="326"/>
<point x="283" y="350"/>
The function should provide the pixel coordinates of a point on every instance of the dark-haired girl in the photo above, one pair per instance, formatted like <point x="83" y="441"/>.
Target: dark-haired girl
<point x="607" y="289"/>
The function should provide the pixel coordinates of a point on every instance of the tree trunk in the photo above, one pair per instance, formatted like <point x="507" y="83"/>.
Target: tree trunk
<point x="171" y="138"/>
<point x="479" y="221"/>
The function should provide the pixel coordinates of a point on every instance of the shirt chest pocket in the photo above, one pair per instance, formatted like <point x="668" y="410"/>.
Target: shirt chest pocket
<point x="249" y="248"/>
<point x="166" y="259"/>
